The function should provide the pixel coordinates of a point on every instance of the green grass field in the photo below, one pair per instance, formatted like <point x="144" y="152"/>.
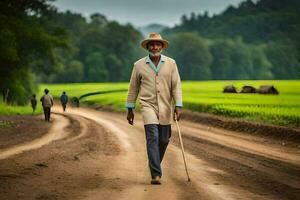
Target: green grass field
<point x="277" y="109"/>
<point x="18" y="110"/>
<point x="205" y="96"/>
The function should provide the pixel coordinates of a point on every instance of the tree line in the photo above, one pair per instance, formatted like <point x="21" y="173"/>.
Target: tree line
<point x="100" y="50"/>
<point x="256" y="40"/>
<point x="40" y="44"/>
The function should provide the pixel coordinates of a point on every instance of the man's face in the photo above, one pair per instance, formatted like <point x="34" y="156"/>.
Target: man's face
<point x="155" y="48"/>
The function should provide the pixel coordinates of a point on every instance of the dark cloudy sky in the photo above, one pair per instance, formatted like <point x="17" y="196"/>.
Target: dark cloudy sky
<point x="144" y="12"/>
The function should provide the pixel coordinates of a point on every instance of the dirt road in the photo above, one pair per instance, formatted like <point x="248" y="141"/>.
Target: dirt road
<point x="88" y="154"/>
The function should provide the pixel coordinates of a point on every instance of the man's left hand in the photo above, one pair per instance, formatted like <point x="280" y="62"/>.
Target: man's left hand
<point x="177" y="113"/>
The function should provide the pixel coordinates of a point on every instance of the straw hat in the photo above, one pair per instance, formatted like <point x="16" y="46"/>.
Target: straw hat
<point x="154" y="37"/>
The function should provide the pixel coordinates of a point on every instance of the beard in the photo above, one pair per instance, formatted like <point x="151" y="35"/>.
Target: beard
<point x="158" y="53"/>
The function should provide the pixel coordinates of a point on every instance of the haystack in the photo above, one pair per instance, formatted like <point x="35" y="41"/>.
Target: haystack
<point x="229" y="89"/>
<point x="248" y="89"/>
<point x="267" y="89"/>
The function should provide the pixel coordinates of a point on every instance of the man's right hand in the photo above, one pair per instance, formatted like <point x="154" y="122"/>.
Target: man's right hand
<point x="130" y="116"/>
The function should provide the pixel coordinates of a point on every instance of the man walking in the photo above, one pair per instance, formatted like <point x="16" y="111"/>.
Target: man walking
<point x="64" y="100"/>
<point x="156" y="79"/>
<point x="47" y="103"/>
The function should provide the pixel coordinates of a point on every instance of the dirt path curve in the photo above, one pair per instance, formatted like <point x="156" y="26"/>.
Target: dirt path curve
<point x="55" y="133"/>
<point x="97" y="155"/>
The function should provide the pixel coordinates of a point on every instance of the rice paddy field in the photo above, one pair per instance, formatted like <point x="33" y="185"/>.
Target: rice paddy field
<point x="206" y="96"/>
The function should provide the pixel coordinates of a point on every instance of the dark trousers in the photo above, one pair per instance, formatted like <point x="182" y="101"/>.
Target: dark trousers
<point x="47" y="113"/>
<point x="157" y="137"/>
<point x="64" y="106"/>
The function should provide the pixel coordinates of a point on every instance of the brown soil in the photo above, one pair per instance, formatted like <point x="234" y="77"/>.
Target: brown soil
<point x="22" y="128"/>
<point x="235" y="124"/>
<point x="88" y="154"/>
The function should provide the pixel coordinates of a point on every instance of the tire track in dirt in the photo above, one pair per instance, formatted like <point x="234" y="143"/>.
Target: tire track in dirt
<point x="248" y="171"/>
<point x="64" y="168"/>
<point x="252" y="144"/>
<point x="63" y="127"/>
<point x="54" y="133"/>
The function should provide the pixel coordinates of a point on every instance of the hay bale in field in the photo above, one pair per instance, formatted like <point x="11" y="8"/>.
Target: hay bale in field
<point x="229" y="89"/>
<point x="267" y="89"/>
<point x="248" y="89"/>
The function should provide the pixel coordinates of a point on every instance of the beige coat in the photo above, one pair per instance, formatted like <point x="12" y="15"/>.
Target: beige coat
<point x="47" y="100"/>
<point x="156" y="89"/>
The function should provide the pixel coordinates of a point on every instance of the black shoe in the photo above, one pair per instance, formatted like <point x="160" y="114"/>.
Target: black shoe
<point x="156" y="180"/>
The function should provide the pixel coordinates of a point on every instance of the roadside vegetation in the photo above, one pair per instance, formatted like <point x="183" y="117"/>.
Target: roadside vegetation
<point x="18" y="110"/>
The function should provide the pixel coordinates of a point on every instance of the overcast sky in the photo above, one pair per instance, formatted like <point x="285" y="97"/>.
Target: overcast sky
<point x="144" y="12"/>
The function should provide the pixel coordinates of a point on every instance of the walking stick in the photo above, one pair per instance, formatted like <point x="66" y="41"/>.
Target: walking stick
<point x="182" y="149"/>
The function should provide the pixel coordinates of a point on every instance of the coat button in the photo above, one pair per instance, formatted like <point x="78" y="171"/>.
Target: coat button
<point x="158" y="91"/>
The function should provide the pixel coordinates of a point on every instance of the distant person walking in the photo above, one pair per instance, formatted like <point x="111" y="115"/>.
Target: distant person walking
<point x="156" y="80"/>
<point x="64" y="100"/>
<point x="47" y="103"/>
<point x="33" y="102"/>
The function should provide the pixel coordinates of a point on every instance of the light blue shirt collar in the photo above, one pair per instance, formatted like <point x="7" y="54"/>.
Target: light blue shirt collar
<point x="155" y="68"/>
